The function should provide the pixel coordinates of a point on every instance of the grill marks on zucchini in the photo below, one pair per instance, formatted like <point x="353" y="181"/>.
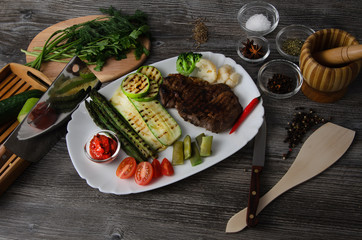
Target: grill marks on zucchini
<point x="152" y="73"/>
<point x="123" y="105"/>
<point x="159" y="121"/>
<point x="149" y="110"/>
<point x="155" y="78"/>
<point x="135" y="85"/>
<point x="152" y="93"/>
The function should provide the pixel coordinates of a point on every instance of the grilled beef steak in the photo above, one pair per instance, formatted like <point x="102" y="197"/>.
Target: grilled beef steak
<point x="211" y="106"/>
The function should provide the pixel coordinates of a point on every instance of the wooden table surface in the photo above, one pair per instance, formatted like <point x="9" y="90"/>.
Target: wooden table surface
<point x="50" y="200"/>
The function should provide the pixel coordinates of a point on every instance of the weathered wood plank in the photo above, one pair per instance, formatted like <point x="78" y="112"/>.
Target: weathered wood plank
<point x="51" y="201"/>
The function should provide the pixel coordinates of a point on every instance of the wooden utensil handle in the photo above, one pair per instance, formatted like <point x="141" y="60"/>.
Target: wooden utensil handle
<point x="340" y="55"/>
<point x="34" y="77"/>
<point x="254" y="194"/>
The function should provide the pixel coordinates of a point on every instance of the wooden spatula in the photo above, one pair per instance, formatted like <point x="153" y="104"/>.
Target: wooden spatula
<point x="323" y="148"/>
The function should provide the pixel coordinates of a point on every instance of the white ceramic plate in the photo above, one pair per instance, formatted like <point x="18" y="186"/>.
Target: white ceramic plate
<point x="103" y="176"/>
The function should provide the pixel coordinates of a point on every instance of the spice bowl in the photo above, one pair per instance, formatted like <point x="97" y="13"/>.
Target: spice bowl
<point x="290" y="39"/>
<point x="248" y="47"/>
<point x="258" y="18"/>
<point x="280" y="79"/>
<point x="102" y="139"/>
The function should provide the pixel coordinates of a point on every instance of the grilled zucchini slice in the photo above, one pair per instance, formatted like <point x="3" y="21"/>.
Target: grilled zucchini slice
<point x="135" y="85"/>
<point x="156" y="79"/>
<point x="123" y="105"/>
<point x="152" y="73"/>
<point x="152" y="93"/>
<point x="160" y="122"/>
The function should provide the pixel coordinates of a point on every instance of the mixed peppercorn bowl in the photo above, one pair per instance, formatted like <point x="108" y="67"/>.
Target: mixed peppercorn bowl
<point x="280" y="79"/>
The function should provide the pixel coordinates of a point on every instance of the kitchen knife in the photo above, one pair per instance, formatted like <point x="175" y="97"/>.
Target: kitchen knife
<point x="257" y="166"/>
<point x="36" y="134"/>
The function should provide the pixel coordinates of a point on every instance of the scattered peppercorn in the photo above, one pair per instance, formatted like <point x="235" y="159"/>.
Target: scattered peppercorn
<point x="299" y="126"/>
<point x="200" y="32"/>
<point x="251" y="50"/>
<point x="292" y="46"/>
<point x="280" y="84"/>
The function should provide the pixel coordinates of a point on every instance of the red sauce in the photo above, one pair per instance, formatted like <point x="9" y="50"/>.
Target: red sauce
<point x="102" y="147"/>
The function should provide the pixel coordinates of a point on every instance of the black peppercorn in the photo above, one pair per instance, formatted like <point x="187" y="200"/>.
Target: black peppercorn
<point x="299" y="126"/>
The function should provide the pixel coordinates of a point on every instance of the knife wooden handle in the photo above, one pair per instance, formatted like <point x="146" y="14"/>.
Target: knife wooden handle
<point x="254" y="192"/>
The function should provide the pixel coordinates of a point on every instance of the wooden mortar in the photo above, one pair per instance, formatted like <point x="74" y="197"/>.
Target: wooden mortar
<point x="325" y="83"/>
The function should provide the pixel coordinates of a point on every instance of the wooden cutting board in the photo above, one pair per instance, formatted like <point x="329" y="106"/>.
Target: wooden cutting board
<point x="113" y="68"/>
<point x="14" y="79"/>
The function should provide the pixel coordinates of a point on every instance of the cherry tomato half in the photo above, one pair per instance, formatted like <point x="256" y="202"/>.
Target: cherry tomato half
<point x="144" y="173"/>
<point x="126" y="168"/>
<point x="156" y="168"/>
<point x="166" y="167"/>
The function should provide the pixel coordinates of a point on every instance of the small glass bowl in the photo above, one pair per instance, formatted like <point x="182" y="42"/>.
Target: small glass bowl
<point x="292" y="33"/>
<point x="279" y="66"/>
<point x="109" y="134"/>
<point x="258" y="7"/>
<point x="258" y="40"/>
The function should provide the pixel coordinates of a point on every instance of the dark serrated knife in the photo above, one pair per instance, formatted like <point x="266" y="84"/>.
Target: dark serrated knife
<point x="257" y="166"/>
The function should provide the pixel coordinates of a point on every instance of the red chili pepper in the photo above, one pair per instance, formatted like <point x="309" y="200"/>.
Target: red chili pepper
<point x="248" y="109"/>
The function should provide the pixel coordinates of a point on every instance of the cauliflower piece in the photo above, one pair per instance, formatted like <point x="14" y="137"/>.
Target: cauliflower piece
<point x="228" y="76"/>
<point x="206" y="70"/>
<point x="224" y="73"/>
<point x="233" y="80"/>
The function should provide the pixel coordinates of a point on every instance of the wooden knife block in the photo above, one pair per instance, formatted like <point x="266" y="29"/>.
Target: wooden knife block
<point x="14" y="79"/>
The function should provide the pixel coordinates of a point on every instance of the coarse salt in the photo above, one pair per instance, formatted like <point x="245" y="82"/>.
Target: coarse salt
<point x="258" y="22"/>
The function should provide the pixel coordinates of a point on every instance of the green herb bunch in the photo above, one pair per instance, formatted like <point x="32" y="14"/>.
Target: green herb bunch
<point x="97" y="40"/>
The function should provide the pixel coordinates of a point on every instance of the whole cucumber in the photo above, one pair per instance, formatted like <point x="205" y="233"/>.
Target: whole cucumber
<point x="11" y="106"/>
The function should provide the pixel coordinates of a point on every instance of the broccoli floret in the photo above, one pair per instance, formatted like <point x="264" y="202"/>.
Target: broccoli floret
<point x="186" y="62"/>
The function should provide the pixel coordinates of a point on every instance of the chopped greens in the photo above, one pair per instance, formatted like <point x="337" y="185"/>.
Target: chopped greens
<point x="97" y="40"/>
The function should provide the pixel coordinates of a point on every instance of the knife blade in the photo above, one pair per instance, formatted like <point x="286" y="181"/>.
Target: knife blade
<point x="37" y="133"/>
<point x="70" y="88"/>
<point x="257" y="166"/>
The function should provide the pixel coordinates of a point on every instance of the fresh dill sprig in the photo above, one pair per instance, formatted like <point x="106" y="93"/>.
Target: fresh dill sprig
<point x="95" y="41"/>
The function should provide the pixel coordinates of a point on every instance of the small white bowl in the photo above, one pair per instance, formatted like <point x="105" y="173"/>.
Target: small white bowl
<point x="293" y="33"/>
<point x="258" y="40"/>
<point x="109" y="134"/>
<point x="279" y="66"/>
<point x="254" y="9"/>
